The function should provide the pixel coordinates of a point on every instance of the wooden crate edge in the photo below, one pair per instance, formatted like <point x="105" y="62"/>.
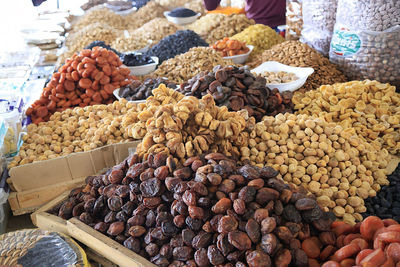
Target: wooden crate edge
<point x="105" y="246"/>
<point x="43" y="209"/>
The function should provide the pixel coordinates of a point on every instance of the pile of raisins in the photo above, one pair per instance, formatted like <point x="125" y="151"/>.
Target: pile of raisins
<point x="138" y="90"/>
<point x="207" y="211"/>
<point x="176" y="44"/>
<point x="386" y="203"/>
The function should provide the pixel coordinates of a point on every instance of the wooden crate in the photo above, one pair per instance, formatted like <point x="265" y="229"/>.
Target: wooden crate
<point x="96" y="241"/>
<point x="31" y="200"/>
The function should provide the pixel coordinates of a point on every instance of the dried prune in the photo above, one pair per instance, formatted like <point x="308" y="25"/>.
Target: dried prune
<point x="258" y="258"/>
<point x="290" y="213"/>
<point x="253" y="231"/>
<point x="214" y="255"/>
<point x="201" y="240"/>
<point x="150" y="187"/>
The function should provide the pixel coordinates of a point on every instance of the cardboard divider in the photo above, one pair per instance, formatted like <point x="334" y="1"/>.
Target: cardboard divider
<point x="67" y="168"/>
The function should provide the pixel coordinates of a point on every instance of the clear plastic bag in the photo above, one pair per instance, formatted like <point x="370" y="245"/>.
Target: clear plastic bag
<point x="370" y="55"/>
<point x="294" y="19"/>
<point x="371" y="15"/>
<point x="319" y="18"/>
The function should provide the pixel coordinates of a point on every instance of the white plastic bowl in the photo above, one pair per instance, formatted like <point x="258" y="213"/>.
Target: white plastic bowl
<point x="301" y="73"/>
<point x="241" y="59"/>
<point x="145" y="69"/>
<point x="181" y="20"/>
<point x="116" y="94"/>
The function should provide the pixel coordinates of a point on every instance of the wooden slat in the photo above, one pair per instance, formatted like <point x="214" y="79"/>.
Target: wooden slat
<point x="50" y="222"/>
<point x="105" y="246"/>
<point x="93" y="256"/>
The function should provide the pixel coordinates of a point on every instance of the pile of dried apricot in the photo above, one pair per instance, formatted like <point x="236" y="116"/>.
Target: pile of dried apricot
<point x="228" y="47"/>
<point x="87" y="78"/>
<point x="373" y="242"/>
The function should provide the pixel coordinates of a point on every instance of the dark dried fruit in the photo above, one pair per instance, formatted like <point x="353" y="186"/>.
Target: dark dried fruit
<point x="239" y="240"/>
<point x="253" y="231"/>
<point x="116" y="228"/>
<point x="214" y="255"/>
<point x="258" y="258"/>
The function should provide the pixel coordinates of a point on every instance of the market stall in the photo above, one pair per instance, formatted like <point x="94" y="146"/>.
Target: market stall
<point x="159" y="133"/>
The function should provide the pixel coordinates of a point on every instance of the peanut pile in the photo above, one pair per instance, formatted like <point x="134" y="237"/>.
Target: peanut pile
<point x="260" y="36"/>
<point x="229" y="26"/>
<point x="331" y="162"/>
<point x="297" y="54"/>
<point x="183" y="67"/>
<point x="147" y="35"/>
<point x="371" y="109"/>
<point x="206" y="24"/>
<point x="73" y="130"/>
<point x="86" y="35"/>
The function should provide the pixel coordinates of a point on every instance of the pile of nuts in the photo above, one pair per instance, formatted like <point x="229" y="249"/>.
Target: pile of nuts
<point x="330" y="161"/>
<point x="276" y="77"/>
<point x="369" y="108"/>
<point x="237" y="88"/>
<point x="374" y="242"/>
<point x="196" y="5"/>
<point x="260" y="36"/>
<point x="73" y="130"/>
<point x="141" y="90"/>
<point x="206" y="24"/>
<point x="145" y="14"/>
<point x="297" y="54"/>
<point x="386" y="204"/>
<point x="183" y="67"/>
<point x="88" y="78"/>
<point x="208" y="211"/>
<point x="229" y="26"/>
<point x="99" y="14"/>
<point x="147" y="35"/>
<point x="92" y="32"/>
<point x="229" y="47"/>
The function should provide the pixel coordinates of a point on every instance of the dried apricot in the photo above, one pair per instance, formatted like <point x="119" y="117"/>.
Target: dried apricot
<point x="346" y="252"/>
<point x="369" y="226"/>
<point x="363" y="253"/>
<point x="361" y="243"/>
<point x="331" y="264"/>
<point x="347" y="263"/>
<point x="342" y="229"/>
<point x="393" y="251"/>
<point x="310" y="248"/>
<point x="376" y="258"/>
<point x="349" y="238"/>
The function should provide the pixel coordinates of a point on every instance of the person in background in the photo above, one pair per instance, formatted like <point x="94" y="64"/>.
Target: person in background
<point x="267" y="12"/>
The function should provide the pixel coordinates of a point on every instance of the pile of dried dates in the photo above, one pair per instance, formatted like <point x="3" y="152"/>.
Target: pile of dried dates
<point x="237" y="88"/>
<point x="138" y="90"/>
<point x="209" y="211"/>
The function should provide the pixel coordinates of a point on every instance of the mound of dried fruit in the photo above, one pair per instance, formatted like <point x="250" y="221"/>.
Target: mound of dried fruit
<point x="228" y="47"/>
<point x="183" y="67"/>
<point x="88" y="78"/>
<point x="369" y="108"/>
<point x="208" y="211"/>
<point x="330" y="161"/>
<point x="373" y="242"/>
<point x="297" y="54"/>
<point x="237" y="88"/>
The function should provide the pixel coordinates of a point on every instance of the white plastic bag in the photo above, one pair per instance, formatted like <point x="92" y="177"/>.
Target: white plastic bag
<point x="366" y="40"/>
<point x="318" y="23"/>
<point x="294" y="19"/>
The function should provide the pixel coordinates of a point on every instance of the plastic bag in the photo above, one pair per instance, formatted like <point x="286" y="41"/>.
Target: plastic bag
<point x="294" y="19"/>
<point x="371" y="15"/>
<point x="35" y="247"/>
<point x="318" y="23"/>
<point x="365" y="43"/>
<point x="367" y="54"/>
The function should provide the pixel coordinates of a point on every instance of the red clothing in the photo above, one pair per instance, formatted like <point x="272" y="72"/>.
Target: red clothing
<point x="267" y="12"/>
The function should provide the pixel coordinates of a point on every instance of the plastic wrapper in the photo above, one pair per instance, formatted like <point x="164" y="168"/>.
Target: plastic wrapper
<point x="318" y="23"/>
<point x="294" y="19"/>
<point x="367" y="54"/>
<point x="35" y="247"/>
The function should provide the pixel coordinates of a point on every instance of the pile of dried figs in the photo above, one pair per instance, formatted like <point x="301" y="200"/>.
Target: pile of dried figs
<point x="237" y="88"/>
<point x="209" y="211"/>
